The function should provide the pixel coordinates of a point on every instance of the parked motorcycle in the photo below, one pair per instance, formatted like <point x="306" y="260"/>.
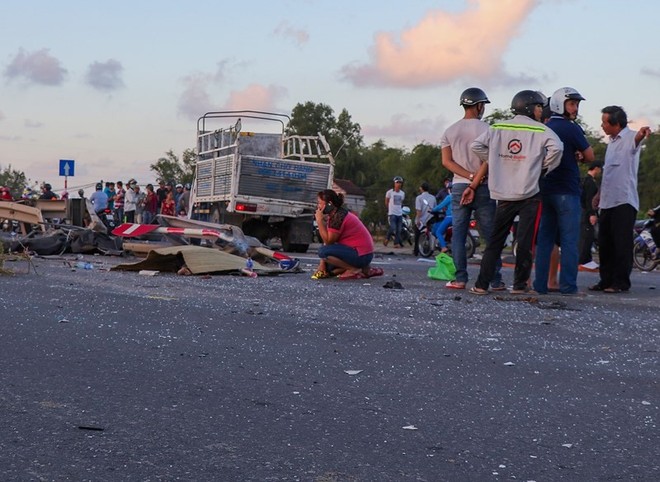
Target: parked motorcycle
<point x="644" y="249"/>
<point x="407" y="232"/>
<point x="107" y="218"/>
<point x="428" y="243"/>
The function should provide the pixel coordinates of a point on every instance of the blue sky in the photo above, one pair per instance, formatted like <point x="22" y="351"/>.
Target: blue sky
<point x="114" y="85"/>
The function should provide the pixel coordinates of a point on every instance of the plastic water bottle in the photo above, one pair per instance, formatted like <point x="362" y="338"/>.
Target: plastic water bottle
<point x="248" y="270"/>
<point x="83" y="265"/>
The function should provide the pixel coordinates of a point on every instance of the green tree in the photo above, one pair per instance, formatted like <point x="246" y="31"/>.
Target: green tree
<point x="384" y="163"/>
<point x="343" y="135"/>
<point x="498" y="115"/>
<point x="15" y="180"/>
<point x="425" y="164"/>
<point x="171" y="168"/>
<point x="309" y="119"/>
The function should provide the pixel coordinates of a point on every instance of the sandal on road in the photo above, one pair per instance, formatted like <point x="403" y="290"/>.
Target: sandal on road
<point x="455" y="285"/>
<point x="375" y="272"/>
<point x="351" y="275"/>
<point x="478" y="291"/>
<point x="320" y="274"/>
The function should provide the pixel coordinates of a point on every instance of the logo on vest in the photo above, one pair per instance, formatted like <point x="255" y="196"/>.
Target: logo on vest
<point x="514" y="147"/>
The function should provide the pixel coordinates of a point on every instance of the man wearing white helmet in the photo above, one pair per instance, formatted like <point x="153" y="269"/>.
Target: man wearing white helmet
<point x="560" y="191"/>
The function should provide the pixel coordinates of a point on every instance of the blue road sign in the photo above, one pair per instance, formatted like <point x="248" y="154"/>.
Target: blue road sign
<point x="67" y="167"/>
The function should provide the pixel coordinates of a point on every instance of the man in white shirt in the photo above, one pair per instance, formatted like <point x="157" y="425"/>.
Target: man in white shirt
<point x="394" y="202"/>
<point x="619" y="201"/>
<point x="424" y="203"/>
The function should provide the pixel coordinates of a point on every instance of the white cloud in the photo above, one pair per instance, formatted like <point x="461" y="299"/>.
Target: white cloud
<point x="37" y="67"/>
<point x="444" y="46"/>
<point x="105" y="76"/>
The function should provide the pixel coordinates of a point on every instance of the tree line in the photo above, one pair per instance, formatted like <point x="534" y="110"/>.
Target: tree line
<point x="372" y="167"/>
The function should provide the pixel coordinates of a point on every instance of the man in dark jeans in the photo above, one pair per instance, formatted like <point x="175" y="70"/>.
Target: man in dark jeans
<point x="518" y="151"/>
<point x="589" y="213"/>
<point x="619" y="200"/>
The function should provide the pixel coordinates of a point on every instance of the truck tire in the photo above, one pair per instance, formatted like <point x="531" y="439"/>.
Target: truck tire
<point x="215" y="215"/>
<point x="293" y="247"/>
<point x="296" y="236"/>
<point x="257" y="229"/>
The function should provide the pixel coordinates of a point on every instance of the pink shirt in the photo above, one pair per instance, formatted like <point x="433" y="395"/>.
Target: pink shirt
<point x="354" y="234"/>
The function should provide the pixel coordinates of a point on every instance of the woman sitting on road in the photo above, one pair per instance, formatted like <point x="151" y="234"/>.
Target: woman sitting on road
<point x="348" y="247"/>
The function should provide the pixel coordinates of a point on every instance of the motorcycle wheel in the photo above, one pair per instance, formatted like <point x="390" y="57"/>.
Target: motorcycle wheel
<point x="642" y="257"/>
<point x="470" y="247"/>
<point x="425" y="245"/>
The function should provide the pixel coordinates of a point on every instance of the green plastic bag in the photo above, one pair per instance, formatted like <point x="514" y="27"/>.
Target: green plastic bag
<point x="444" y="268"/>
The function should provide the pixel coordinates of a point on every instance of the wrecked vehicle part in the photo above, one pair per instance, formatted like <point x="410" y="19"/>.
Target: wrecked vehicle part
<point x="198" y="260"/>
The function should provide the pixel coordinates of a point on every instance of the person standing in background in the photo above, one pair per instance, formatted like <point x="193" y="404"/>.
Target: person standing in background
<point x="130" y="201"/>
<point x="150" y="205"/>
<point x="458" y="157"/>
<point x="119" y="201"/>
<point x="560" y="196"/>
<point x="139" y="209"/>
<point x="394" y="201"/>
<point x="589" y="214"/>
<point x="424" y="203"/>
<point x="517" y="153"/>
<point x="619" y="200"/>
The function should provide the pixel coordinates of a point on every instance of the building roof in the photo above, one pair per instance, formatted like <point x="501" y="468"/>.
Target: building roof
<point x="348" y="187"/>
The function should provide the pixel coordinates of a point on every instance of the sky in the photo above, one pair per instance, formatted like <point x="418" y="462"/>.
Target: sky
<point x="115" y="85"/>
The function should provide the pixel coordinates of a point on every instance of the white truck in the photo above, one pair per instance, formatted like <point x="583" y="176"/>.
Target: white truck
<point x="265" y="183"/>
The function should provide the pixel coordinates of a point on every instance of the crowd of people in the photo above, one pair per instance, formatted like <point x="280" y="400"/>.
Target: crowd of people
<point x="524" y="169"/>
<point x="130" y="204"/>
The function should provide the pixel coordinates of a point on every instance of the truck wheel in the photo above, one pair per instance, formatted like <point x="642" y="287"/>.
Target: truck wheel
<point x="293" y="247"/>
<point x="214" y="215"/>
<point x="297" y="248"/>
<point x="257" y="229"/>
<point x="287" y="245"/>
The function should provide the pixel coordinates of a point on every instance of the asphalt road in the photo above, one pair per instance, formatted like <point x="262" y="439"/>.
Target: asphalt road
<point x="116" y="376"/>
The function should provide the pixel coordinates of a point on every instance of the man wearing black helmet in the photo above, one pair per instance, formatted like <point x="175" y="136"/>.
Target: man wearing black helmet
<point x="458" y="157"/>
<point x="517" y="152"/>
<point x="47" y="192"/>
<point x="560" y="190"/>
